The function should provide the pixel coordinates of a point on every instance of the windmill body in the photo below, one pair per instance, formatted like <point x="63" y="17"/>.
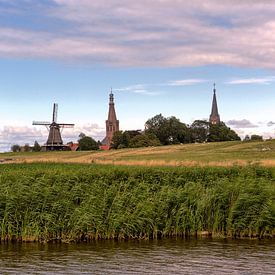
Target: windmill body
<point x="54" y="141"/>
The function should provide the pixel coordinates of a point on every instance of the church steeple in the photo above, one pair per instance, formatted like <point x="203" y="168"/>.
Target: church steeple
<point x="214" y="116"/>
<point x="112" y="124"/>
<point x="112" y="112"/>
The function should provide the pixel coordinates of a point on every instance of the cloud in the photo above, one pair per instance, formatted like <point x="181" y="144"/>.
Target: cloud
<point x="21" y="135"/>
<point x="168" y="33"/>
<point x="240" y="124"/>
<point x="185" y="82"/>
<point x="270" y="123"/>
<point x="263" y="80"/>
<point x="137" y="89"/>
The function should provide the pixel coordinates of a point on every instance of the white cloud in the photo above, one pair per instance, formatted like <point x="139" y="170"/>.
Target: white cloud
<point x="137" y="89"/>
<point x="186" y="82"/>
<point x="261" y="80"/>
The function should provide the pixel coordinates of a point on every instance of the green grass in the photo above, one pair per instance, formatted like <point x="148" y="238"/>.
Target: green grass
<point x="76" y="202"/>
<point x="210" y="154"/>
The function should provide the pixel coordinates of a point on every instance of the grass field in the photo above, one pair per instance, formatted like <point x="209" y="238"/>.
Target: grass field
<point x="210" y="154"/>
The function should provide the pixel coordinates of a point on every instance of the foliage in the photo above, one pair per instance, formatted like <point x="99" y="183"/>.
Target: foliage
<point x="256" y="137"/>
<point x="46" y="202"/>
<point x="86" y="143"/>
<point x="220" y="132"/>
<point x="133" y="139"/>
<point x="199" y="131"/>
<point x="171" y="131"/>
<point x="120" y="140"/>
<point x="26" y="148"/>
<point x="144" y="140"/>
<point x="36" y="147"/>
<point x="15" y="148"/>
<point x="168" y="130"/>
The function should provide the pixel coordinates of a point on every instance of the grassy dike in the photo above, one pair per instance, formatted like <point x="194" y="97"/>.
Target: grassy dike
<point x="77" y="202"/>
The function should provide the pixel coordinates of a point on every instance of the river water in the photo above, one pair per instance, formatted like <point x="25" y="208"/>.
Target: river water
<point x="168" y="256"/>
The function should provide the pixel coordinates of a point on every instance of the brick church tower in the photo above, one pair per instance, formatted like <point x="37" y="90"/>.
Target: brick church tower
<point x="214" y="117"/>
<point x="112" y="124"/>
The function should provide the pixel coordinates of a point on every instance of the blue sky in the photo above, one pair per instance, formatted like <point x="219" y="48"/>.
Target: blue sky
<point x="159" y="56"/>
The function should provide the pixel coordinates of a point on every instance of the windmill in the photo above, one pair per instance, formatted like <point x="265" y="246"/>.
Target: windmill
<point x="54" y="141"/>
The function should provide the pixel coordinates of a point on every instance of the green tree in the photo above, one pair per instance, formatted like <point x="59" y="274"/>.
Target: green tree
<point x="144" y="140"/>
<point x="178" y="131"/>
<point x="36" y="147"/>
<point x="168" y="130"/>
<point x="120" y="140"/>
<point x="220" y="132"/>
<point x="26" y="148"/>
<point x="256" y="137"/>
<point x="157" y="126"/>
<point x="86" y="143"/>
<point x="15" y="148"/>
<point x="199" y="131"/>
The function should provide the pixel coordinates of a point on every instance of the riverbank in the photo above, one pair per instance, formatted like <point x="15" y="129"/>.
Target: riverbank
<point x="74" y="202"/>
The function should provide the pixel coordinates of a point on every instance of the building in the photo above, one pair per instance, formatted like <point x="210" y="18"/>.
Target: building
<point x="214" y="116"/>
<point x="112" y="124"/>
<point x="54" y="141"/>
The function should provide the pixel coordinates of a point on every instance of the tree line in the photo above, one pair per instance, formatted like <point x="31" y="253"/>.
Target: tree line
<point x="159" y="130"/>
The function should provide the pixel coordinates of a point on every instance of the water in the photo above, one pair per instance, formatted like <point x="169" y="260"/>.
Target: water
<point x="141" y="257"/>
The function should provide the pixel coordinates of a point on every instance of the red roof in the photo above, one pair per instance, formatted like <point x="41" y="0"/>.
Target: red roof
<point x="104" y="147"/>
<point x="73" y="146"/>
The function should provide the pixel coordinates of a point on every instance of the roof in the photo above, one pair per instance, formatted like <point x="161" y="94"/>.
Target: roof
<point x="74" y="146"/>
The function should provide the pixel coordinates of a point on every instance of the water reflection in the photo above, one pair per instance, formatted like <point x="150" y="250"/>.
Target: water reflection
<point x="141" y="257"/>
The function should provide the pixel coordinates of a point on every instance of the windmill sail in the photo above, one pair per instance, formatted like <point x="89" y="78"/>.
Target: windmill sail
<point x="55" y="108"/>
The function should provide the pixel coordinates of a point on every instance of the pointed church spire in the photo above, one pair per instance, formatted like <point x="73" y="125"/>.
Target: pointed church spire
<point x="214" y="116"/>
<point x="112" y="124"/>
<point x="112" y="112"/>
<point x="111" y="96"/>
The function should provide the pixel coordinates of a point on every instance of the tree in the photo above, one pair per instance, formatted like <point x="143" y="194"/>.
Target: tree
<point x="246" y="138"/>
<point x="256" y="137"/>
<point x="220" y="132"/>
<point x="156" y="126"/>
<point x="168" y="130"/>
<point x="81" y="135"/>
<point x="120" y="140"/>
<point x="144" y="140"/>
<point x="178" y="132"/>
<point x="86" y="143"/>
<point x="26" y="148"/>
<point x="199" y="131"/>
<point x="36" y="147"/>
<point x="15" y="148"/>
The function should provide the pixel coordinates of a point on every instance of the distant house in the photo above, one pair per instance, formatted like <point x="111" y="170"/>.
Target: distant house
<point x="73" y="146"/>
<point x="104" y="147"/>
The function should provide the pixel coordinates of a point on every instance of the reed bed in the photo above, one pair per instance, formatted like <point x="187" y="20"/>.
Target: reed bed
<point x="77" y="202"/>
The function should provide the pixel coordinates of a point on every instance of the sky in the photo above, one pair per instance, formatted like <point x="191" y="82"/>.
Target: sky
<point x="159" y="56"/>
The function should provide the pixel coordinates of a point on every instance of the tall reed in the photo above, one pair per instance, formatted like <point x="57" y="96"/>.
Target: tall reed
<point x="71" y="202"/>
